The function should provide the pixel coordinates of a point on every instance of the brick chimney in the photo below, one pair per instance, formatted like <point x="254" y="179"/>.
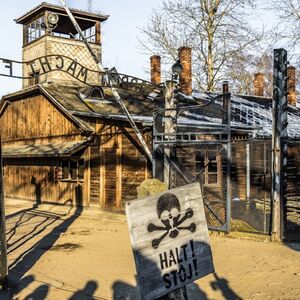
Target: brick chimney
<point x="291" y="86"/>
<point x="185" y="79"/>
<point x="155" y="66"/>
<point x="259" y="84"/>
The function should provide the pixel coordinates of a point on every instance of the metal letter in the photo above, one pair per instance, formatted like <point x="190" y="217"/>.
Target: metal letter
<point x="61" y="59"/>
<point x="32" y="65"/>
<point x="72" y="68"/>
<point x="45" y="64"/>
<point x="83" y="72"/>
<point x="8" y="66"/>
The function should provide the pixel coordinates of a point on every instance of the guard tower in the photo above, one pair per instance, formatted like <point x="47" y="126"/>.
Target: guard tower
<point x="47" y="31"/>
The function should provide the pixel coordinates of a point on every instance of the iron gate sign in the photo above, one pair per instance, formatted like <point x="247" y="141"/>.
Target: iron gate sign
<point x="170" y="242"/>
<point x="50" y="63"/>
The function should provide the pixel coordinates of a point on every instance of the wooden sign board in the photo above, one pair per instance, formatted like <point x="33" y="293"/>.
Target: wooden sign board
<point x="169" y="237"/>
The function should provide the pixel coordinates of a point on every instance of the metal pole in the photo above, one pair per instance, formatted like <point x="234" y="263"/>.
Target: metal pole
<point x="248" y="166"/>
<point x="170" y="123"/>
<point x="3" y="248"/>
<point x="158" y="151"/>
<point x="170" y="174"/>
<point x="169" y="127"/>
<point x="114" y="91"/>
<point x="228" y="169"/>
<point x="227" y="120"/>
<point x="279" y="143"/>
<point x="80" y="32"/>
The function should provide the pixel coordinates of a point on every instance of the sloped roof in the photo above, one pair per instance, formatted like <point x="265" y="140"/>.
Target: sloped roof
<point x="250" y="114"/>
<point x="75" y="99"/>
<point x="59" y="9"/>
<point x="74" y="102"/>
<point x="253" y="112"/>
<point x="39" y="89"/>
<point x="65" y="149"/>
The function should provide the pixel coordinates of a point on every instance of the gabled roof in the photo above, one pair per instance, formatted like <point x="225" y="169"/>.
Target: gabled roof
<point x="77" y="102"/>
<point x="59" y="9"/>
<point x="83" y="126"/>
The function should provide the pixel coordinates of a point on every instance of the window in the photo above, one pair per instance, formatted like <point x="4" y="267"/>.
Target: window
<point x="63" y="35"/>
<point x="89" y="34"/>
<point x="35" y="30"/>
<point x="64" y="29"/>
<point x="96" y="93"/>
<point x="73" y="169"/>
<point x="207" y="163"/>
<point x="211" y="172"/>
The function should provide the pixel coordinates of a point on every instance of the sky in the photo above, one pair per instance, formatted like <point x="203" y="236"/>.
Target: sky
<point x="119" y="34"/>
<point x="121" y="48"/>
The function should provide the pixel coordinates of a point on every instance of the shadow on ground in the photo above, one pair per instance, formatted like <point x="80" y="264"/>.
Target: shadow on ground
<point x="41" y="237"/>
<point x="33" y="223"/>
<point x="169" y="280"/>
<point x="122" y="290"/>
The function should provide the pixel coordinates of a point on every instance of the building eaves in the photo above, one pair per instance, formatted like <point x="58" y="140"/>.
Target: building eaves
<point x="59" y="9"/>
<point x="118" y="117"/>
<point x="62" y="150"/>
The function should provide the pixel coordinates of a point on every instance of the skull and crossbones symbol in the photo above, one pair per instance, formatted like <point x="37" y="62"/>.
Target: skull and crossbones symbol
<point x="170" y="215"/>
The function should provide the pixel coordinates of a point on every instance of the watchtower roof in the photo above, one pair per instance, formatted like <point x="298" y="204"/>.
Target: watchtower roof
<point x="41" y="8"/>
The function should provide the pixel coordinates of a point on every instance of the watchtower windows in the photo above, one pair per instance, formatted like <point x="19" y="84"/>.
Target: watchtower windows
<point x="46" y="19"/>
<point x="64" y="29"/>
<point x="35" y="30"/>
<point x="39" y="27"/>
<point x="89" y="34"/>
<point x="63" y="35"/>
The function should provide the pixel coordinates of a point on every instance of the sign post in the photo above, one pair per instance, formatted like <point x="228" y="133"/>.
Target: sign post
<point x="279" y="144"/>
<point x="170" y="240"/>
<point x="3" y="253"/>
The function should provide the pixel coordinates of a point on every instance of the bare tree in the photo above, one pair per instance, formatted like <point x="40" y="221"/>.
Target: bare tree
<point x="90" y="5"/>
<point x="288" y="12"/>
<point x="241" y="68"/>
<point x="215" y="29"/>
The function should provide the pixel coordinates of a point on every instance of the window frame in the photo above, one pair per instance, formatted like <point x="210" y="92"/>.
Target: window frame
<point x="206" y="157"/>
<point x="89" y="34"/>
<point x="79" y="169"/>
<point x="34" y="30"/>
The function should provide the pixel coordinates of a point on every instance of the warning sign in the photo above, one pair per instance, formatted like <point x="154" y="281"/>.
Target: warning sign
<point x="170" y="241"/>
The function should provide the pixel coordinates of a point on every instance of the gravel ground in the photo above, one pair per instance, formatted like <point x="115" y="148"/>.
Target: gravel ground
<point x="58" y="252"/>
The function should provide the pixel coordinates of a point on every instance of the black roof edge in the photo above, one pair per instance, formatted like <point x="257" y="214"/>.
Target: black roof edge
<point x="57" y="8"/>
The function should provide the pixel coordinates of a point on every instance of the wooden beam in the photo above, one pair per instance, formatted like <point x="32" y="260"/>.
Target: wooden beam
<point x="102" y="176"/>
<point x="279" y="143"/>
<point x="119" y="170"/>
<point x="87" y="177"/>
<point x="147" y="167"/>
<point x="98" y="32"/>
